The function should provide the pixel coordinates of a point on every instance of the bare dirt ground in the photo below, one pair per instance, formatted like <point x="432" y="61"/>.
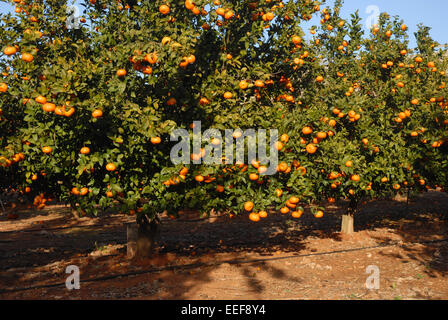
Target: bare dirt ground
<point x="222" y="258"/>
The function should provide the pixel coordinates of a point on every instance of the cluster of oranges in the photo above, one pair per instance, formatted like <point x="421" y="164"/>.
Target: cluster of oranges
<point x="40" y="201"/>
<point x="49" y="107"/>
<point x="5" y="162"/>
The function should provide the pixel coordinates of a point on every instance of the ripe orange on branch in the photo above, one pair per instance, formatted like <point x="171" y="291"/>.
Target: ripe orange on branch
<point x="27" y="57"/>
<point x="121" y="72"/>
<point x="228" y="95"/>
<point x="48" y="107"/>
<point x="243" y="84"/>
<point x="255" y="217"/>
<point x="85" y="150"/>
<point x="111" y="167"/>
<point x="156" y="140"/>
<point x="47" y="150"/>
<point x="97" y="113"/>
<point x="248" y="206"/>
<point x="164" y="9"/>
<point x="9" y="51"/>
<point x="311" y="148"/>
<point x="3" y="87"/>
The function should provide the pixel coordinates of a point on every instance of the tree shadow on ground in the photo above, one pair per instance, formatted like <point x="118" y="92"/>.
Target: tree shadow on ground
<point x="185" y="243"/>
<point x="425" y="224"/>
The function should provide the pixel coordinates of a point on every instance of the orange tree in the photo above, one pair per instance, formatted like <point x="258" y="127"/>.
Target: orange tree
<point x="87" y="112"/>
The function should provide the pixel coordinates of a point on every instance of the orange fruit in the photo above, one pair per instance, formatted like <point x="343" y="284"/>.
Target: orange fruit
<point x="321" y="135"/>
<point x="189" y="4"/>
<point x="259" y="83"/>
<point x="414" y="101"/>
<point x="278" y="192"/>
<point x="221" y="12"/>
<point x="171" y="101"/>
<point x="166" y="40"/>
<point x="111" y="167"/>
<point x="255" y="163"/>
<point x="47" y="150"/>
<point x="48" y="107"/>
<point x="228" y="15"/>
<point x="278" y="145"/>
<point x="85" y="150"/>
<point x="219" y="188"/>
<point x="97" y="113"/>
<point x="348" y="163"/>
<point x="355" y="177"/>
<point x="296" y="40"/>
<point x="248" y="206"/>
<point x="199" y="178"/>
<point x="83" y="191"/>
<point x="164" y="9"/>
<point x="284" y="138"/>
<point x="294" y="200"/>
<point x="75" y="191"/>
<point x="204" y="102"/>
<point x="9" y="50"/>
<point x="290" y="205"/>
<point x="151" y="58"/>
<point x="311" y="148"/>
<point x="419" y="59"/>
<point x="284" y="210"/>
<point x="191" y="59"/>
<point x="59" y="111"/>
<point x="41" y="99"/>
<point x="228" y="95"/>
<point x="27" y="57"/>
<point x="263" y="214"/>
<point x="319" y="78"/>
<point x="121" y="72"/>
<point x="147" y="70"/>
<point x="319" y="214"/>
<point x="69" y="112"/>
<point x="253" y="176"/>
<point x="243" y="84"/>
<point x="156" y="140"/>
<point x="262" y="169"/>
<point x="183" y="171"/>
<point x="402" y="115"/>
<point x="297" y="214"/>
<point x="307" y="130"/>
<point x="255" y="217"/>
<point x="3" y="87"/>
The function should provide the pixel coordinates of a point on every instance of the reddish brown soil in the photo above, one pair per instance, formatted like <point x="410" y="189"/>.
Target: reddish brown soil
<point x="221" y="258"/>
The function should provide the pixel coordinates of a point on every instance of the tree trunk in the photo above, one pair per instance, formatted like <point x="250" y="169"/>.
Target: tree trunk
<point x="347" y="224"/>
<point x="348" y="218"/>
<point x="75" y="213"/>
<point x="147" y="234"/>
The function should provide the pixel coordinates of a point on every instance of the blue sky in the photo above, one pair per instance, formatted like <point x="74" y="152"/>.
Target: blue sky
<point x="431" y="13"/>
